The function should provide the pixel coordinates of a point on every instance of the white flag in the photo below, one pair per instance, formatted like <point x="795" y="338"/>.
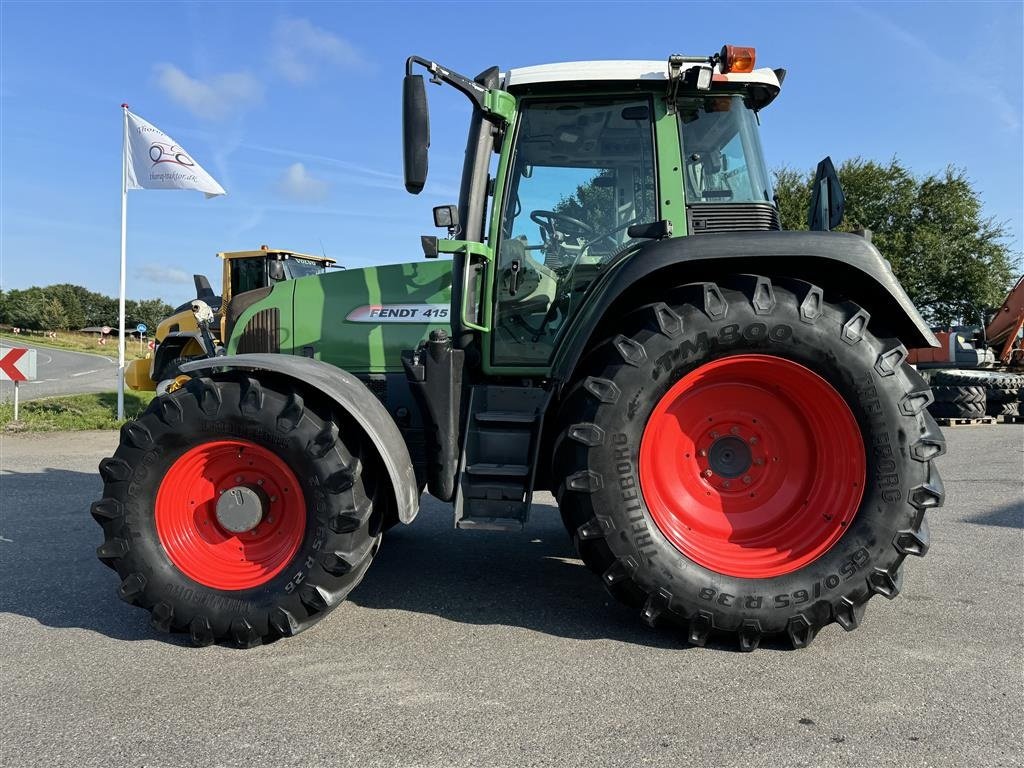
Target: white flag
<point x="154" y="160"/>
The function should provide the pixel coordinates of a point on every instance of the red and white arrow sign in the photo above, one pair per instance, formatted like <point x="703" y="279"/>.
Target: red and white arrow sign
<point x="17" y="364"/>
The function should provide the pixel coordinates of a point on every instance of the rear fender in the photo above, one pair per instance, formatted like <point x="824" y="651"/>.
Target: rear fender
<point x="350" y="395"/>
<point x="840" y="263"/>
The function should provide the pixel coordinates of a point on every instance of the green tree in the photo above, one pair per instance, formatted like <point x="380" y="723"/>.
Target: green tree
<point x="953" y="261"/>
<point x="24" y="308"/>
<point x="69" y="298"/>
<point x="52" y="316"/>
<point x="148" y="311"/>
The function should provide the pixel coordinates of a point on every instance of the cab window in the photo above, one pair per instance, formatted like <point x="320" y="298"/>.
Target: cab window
<point x="723" y="161"/>
<point x="248" y="274"/>
<point x="582" y="173"/>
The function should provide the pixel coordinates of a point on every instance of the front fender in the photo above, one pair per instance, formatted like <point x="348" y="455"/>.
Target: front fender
<point x="839" y="262"/>
<point x="350" y="394"/>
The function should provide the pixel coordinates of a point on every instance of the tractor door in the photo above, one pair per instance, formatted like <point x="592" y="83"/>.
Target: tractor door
<point x="581" y="173"/>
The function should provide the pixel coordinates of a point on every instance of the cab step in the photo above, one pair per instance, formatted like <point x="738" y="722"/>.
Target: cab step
<point x="499" y="457"/>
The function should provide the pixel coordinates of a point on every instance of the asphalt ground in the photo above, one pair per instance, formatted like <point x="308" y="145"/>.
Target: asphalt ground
<point x="62" y="372"/>
<point x="487" y="649"/>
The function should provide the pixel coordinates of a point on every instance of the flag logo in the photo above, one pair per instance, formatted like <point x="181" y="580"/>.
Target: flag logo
<point x="169" y="153"/>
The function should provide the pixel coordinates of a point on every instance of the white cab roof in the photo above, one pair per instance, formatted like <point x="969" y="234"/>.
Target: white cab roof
<point x="629" y="70"/>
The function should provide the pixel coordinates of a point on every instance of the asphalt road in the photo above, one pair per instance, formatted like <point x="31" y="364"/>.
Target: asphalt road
<point x="62" y="372"/>
<point x="481" y="649"/>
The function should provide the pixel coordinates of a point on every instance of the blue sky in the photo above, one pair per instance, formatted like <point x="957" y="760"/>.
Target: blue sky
<point x="295" y="109"/>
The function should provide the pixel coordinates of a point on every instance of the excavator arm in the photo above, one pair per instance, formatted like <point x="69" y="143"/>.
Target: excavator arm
<point x="1007" y="322"/>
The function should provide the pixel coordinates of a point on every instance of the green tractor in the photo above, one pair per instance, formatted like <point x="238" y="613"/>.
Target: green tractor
<point x="724" y="411"/>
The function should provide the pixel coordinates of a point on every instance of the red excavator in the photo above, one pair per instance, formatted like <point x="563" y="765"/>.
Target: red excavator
<point x="978" y="370"/>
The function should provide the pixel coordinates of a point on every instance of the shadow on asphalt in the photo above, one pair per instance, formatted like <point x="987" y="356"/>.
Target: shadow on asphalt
<point x="50" y="573"/>
<point x="531" y="579"/>
<point x="1010" y="515"/>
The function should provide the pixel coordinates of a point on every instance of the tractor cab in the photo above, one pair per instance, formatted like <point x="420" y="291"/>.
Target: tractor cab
<point x="596" y="159"/>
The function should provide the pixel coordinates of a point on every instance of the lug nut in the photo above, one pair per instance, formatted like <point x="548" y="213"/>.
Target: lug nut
<point x="238" y="478"/>
<point x="759" y="461"/>
<point x="708" y="473"/>
<point x="714" y="435"/>
<point x="702" y="452"/>
<point x="273" y="498"/>
<point x="747" y="479"/>
<point x="727" y="483"/>
<point x="735" y="430"/>
<point x="259" y="482"/>
<point x="754" y="440"/>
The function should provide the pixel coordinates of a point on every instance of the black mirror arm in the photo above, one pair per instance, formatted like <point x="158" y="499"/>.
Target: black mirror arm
<point x="439" y="74"/>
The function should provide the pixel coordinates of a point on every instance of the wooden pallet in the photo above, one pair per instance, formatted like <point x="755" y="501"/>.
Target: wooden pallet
<point x="966" y="422"/>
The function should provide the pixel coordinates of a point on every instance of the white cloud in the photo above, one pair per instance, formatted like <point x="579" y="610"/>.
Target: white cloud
<point x="296" y="184"/>
<point x="157" y="273"/>
<point x="301" y="49"/>
<point x="214" y="98"/>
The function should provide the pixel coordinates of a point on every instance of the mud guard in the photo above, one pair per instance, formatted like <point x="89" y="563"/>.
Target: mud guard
<point x="351" y="395"/>
<point x="837" y="261"/>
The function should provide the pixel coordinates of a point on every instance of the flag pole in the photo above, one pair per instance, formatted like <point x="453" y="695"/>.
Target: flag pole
<point x="124" y="231"/>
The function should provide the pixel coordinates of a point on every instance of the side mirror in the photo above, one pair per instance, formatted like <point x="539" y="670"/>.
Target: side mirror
<point x="429" y="244"/>
<point x="415" y="132"/>
<point x="276" y="271"/>
<point x="827" y="199"/>
<point x="446" y="216"/>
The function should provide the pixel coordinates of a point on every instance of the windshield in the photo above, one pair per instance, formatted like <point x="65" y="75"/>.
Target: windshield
<point x="295" y="268"/>
<point x="722" y="151"/>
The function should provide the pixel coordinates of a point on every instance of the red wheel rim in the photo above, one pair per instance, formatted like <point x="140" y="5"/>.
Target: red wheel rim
<point x="752" y="466"/>
<point x="193" y="537"/>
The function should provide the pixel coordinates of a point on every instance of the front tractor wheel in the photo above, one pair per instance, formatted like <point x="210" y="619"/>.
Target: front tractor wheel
<point x="748" y="458"/>
<point x="235" y="512"/>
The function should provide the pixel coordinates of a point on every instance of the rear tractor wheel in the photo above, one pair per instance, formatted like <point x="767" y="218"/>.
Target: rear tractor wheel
<point x="235" y="512"/>
<point x="748" y="458"/>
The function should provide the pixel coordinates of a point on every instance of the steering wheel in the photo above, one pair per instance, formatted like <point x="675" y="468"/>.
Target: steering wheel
<point x="549" y="221"/>
<point x="566" y="281"/>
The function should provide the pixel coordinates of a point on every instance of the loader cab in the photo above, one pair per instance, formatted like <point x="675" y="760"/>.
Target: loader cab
<point x="251" y="270"/>
<point x="248" y="276"/>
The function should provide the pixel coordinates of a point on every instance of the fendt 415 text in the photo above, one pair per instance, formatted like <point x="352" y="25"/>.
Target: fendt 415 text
<point x="724" y="411"/>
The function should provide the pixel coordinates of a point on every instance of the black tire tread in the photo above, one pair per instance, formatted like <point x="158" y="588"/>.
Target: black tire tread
<point x="578" y="433"/>
<point x="333" y="452"/>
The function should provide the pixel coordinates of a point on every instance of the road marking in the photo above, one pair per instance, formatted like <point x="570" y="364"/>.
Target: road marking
<point x="40" y="347"/>
<point x="85" y="373"/>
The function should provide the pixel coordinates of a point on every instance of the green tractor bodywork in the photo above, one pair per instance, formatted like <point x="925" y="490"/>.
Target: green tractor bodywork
<point x="357" y="319"/>
<point x="616" y="274"/>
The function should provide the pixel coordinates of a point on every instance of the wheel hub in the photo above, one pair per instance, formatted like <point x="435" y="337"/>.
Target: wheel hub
<point x="241" y="508"/>
<point x="729" y="457"/>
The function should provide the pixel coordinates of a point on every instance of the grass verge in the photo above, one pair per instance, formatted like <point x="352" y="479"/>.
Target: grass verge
<point x="72" y="412"/>
<point x="77" y="342"/>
